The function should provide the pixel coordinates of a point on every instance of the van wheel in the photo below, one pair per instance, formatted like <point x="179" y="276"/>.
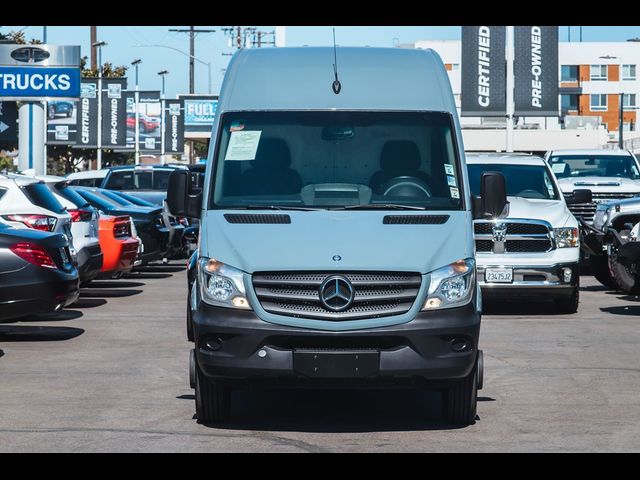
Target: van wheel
<point x="624" y="277"/>
<point x="189" y="322"/>
<point x="600" y="270"/>
<point x="460" y="400"/>
<point x="569" y="304"/>
<point x="213" y="399"/>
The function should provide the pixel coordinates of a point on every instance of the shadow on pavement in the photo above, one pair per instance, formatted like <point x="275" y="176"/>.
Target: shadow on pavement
<point x="89" y="302"/>
<point x="20" y="333"/>
<point x="595" y="288"/>
<point x="335" y="411"/>
<point x="1" y="353"/>
<point x="147" y="276"/>
<point x="53" y="317"/>
<point x="160" y="268"/>
<point x="633" y="310"/>
<point x="114" y="284"/>
<point x="106" y="293"/>
<point x="530" y="307"/>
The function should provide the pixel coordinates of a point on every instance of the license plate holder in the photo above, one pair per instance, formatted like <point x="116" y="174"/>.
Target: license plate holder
<point x="498" y="275"/>
<point x="336" y="363"/>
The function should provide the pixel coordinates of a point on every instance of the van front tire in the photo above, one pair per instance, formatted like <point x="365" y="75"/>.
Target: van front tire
<point x="459" y="401"/>
<point x="213" y="399"/>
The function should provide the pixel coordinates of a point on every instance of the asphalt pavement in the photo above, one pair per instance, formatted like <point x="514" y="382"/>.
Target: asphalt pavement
<point x="110" y="374"/>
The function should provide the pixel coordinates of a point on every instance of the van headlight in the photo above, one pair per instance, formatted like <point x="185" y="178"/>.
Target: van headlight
<point x="567" y="237"/>
<point x="221" y="285"/>
<point x="451" y="286"/>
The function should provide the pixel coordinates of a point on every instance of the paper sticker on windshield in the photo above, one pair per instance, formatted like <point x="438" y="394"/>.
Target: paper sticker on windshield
<point x="558" y="167"/>
<point x="243" y="145"/>
<point x="448" y="169"/>
<point x="236" y="126"/>
<point x="455" y="193"/>
<point x="451" y="181"/>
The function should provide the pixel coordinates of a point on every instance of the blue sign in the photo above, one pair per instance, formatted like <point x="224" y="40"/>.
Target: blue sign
<point x="199" y="112"/>
<point x="39" y="82"/>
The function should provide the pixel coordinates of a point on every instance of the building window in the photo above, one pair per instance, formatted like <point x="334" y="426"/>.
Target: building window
<point x="629" y="100"/>
<point x="599" y="101"/>
<point x="569" y="73"/>
<point x="569" y="103"/>
<point x="598" y="72"/>
<point x="628" y="72"/>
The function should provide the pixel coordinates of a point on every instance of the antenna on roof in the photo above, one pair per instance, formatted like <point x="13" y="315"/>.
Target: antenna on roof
<point x="336" y="83"/>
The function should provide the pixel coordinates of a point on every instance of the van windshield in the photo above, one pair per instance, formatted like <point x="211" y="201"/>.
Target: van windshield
<point x="335" y="159"/>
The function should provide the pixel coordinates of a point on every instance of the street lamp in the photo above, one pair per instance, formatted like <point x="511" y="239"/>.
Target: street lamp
<point x="162" y="73"/>
<point x="99" y="46"/>
<point x="208" y="64"/>
<point x="136" y="63"/>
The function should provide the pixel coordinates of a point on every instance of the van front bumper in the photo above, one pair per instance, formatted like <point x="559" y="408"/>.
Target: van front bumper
<point x="236" y="345"/>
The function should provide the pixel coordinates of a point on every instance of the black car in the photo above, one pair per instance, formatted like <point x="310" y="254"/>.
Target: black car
<point x="148" y="221"/>
<point x="37" y="274"/>
<point x="178" y="246"/>
<point x="148" y="182"/>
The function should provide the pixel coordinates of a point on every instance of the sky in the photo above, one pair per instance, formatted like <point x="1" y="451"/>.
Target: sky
<point x="126" y="43"/>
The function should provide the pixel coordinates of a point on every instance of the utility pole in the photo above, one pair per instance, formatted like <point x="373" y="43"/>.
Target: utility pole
<point x="192" y="36"/>
<point x="94" y="39"/>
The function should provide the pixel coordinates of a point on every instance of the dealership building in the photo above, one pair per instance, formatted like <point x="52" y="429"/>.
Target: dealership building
<point x="592" y="75"/>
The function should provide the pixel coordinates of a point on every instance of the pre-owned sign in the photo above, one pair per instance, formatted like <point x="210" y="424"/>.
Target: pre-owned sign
<point x="483" y="71"/>
<point x="114" y="124"/>
<point x="536" y="70"/>
<point x="173" y="126"/>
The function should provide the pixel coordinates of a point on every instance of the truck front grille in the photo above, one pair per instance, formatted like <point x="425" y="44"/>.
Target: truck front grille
<point x="587" y="210"/>
<point x="297" y="294"/>
<point x="512" y="236"/>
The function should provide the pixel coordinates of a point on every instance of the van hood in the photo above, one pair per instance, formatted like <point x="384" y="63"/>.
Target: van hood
<point x="553" y="211"/>
<point x="336" y="240"/>
<point x="600" y="184"/>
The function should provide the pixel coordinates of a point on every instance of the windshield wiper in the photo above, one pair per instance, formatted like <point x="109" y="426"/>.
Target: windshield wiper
<point x="379" y="206"/>
<point x="277" y="207"/>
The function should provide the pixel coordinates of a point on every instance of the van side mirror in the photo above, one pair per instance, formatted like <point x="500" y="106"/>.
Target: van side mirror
<point x="581" y="195"/>
<point x="493" y="197"/>
<point x="181" y="201"/>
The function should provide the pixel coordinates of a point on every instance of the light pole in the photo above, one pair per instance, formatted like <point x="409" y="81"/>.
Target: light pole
<point x="208" y="64"/>
<point x="162" y="74"/>
<point x="99" y="46"/>
<point x="136" y="63"/>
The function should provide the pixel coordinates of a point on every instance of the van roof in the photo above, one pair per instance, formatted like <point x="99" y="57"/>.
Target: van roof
<point x="300" y="78"/>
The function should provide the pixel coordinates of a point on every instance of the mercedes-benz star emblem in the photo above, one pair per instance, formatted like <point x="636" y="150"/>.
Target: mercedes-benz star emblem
<point x="337" y="293"/>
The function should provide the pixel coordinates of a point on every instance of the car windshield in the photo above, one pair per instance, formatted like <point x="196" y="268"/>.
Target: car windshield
<point x="527" y="181"/>
<point x="575" y="166"/>
<point x="336" y="160"/>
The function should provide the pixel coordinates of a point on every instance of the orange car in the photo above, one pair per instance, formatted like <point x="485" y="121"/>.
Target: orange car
<point x="118" y="246"/>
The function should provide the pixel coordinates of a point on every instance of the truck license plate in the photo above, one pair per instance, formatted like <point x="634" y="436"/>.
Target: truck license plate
<point x="498" y="275"/>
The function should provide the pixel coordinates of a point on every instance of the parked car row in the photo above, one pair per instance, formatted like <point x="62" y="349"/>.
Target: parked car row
<point x="56" y="237"/>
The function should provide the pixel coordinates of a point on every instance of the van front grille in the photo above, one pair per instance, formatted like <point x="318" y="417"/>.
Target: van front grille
<point x="297" y="294"/>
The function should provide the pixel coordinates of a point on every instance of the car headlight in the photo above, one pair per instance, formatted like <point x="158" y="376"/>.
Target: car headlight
<point x="221" y="285"/>
<point x="452" y="285"/>
<point x="567" y="237"/>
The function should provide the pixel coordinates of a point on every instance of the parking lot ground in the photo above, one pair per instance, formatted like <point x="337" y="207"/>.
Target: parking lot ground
<point x="110" y="375"/>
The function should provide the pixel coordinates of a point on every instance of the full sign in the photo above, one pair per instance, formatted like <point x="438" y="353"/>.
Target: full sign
<point x="199" y="112"/>
<point x="39" y="72"/>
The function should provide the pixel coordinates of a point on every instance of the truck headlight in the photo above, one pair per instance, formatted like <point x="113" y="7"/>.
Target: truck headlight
<point x="452" y="285"/>
<point x="567" y="237"/>
<point x="221" y="285"/>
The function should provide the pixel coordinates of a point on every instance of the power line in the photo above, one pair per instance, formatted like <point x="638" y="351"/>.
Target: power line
<point x="192" y="33"/>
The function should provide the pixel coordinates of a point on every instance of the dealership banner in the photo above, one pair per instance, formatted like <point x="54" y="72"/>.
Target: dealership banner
<point x="199" y="112"/>
<point x="174" y="126"/>
<point x="9" y="122"/>
<point x="149" y="121"/>
<point x="114" y="114"/>
<point x="87" y="115"/>
<point x="536" y="71"/>
<point x="483" y="71"/>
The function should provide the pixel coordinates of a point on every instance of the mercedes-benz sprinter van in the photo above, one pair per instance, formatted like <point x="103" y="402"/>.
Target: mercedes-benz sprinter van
<point x="336" y="242"/>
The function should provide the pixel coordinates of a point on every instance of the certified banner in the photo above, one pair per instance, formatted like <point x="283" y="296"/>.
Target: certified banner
<point x="536" y="71"/>
<point x="483" y="71"/>
<point x="114" y="115"/>
<point x="174" y="126"/>
<point x="87" y="115"/>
